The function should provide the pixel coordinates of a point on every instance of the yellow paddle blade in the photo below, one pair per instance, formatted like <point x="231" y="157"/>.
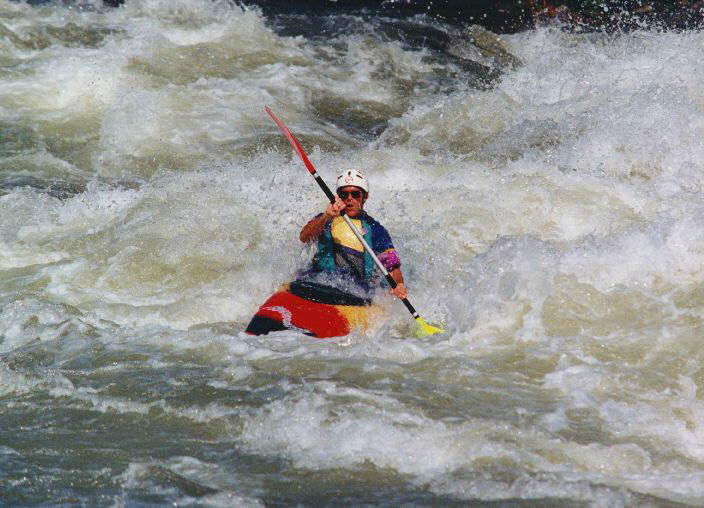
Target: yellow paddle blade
<point x="424" y="329"/>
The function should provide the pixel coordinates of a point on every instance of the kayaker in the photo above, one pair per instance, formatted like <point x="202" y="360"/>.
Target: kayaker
<point x="339" y="251"/>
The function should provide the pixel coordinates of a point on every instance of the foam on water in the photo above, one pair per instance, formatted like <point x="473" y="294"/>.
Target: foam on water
<point x="553" y="222"/>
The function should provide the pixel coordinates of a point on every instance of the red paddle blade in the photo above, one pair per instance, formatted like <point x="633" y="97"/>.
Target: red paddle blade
<point x="292" y="139"/>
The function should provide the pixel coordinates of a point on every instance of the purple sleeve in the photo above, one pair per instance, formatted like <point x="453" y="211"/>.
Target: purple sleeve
<point x="390" y="259"/>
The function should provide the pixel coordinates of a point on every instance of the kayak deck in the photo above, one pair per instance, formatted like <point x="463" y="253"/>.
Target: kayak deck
<point x="312" y="309"/>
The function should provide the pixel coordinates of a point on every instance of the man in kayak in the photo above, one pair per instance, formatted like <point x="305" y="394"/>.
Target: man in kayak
<point x="340" y="253"/>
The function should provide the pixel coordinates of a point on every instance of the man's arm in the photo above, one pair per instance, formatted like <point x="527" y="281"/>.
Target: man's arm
<point x="389" y="258"/>
<point x="400" y="290"/>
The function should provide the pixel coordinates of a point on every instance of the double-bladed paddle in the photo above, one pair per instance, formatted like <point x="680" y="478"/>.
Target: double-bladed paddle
<point x="425" y="328"/>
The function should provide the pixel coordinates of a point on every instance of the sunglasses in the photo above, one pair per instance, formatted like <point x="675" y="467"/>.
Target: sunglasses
<point x="355" y="194"/>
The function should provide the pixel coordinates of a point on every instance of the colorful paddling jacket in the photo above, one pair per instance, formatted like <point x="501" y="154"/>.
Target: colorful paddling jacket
<point x="339" y="251"/>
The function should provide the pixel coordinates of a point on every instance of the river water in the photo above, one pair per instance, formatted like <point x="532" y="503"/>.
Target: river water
<point x="546" y="199"/>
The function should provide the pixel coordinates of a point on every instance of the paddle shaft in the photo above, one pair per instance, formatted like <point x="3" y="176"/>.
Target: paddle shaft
<point x="311" y="169"/>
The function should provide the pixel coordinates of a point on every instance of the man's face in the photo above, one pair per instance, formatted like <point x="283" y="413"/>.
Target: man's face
<point x="354" y="199"/>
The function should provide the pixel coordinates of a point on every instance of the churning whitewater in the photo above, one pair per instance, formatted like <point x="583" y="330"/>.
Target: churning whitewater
<point x="545" y="193"/>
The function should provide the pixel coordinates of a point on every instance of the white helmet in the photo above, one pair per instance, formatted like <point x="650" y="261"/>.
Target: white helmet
<point x="353" y="177"/>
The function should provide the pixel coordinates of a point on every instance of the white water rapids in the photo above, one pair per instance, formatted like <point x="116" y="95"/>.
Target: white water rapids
<point x="551" y="219"/>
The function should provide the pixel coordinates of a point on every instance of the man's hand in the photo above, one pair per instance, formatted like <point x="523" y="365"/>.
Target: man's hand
<point x="316" y="225"/>
<point x="334" y="209"/>
<point x="399" y="291"/>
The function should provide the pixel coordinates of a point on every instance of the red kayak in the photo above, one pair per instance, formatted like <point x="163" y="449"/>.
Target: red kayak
<point x="313" y="309"/>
